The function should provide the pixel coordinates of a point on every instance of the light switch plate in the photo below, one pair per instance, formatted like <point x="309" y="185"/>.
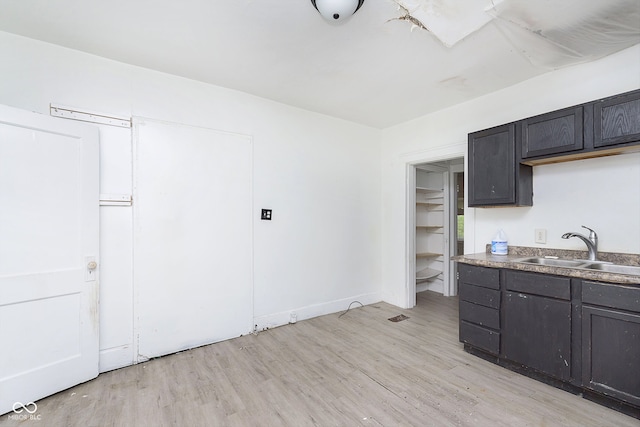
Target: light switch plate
<point x="541" y="235"/>
<point x="266" y="215"/>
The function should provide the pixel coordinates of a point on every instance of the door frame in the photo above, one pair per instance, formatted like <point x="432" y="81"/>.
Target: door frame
<point x="444" y="172"/>
<point x="453" y="236"/>
<point x="439" y="154"/>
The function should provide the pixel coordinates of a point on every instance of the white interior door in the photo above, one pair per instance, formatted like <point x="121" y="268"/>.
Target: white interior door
<point x="192" y="237"/>
<point x="49" y="229"/>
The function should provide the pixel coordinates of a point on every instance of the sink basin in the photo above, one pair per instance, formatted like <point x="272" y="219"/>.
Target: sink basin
<point x="553" y="262"/>
<point x="603" y="266"/>
<point x="613" y="268"/>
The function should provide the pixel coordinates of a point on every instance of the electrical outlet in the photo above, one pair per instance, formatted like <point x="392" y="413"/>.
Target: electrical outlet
<point x="541" y="235"/>
<point x="266" y="214"/>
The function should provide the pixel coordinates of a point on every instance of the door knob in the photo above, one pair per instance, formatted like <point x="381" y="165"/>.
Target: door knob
<point x="92" y="265"/>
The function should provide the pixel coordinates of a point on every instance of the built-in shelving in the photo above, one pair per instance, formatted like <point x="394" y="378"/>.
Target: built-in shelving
<point x="430" y="229"/>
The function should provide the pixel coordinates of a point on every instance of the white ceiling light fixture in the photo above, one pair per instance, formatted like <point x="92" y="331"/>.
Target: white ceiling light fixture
<point x="337" y="10"/>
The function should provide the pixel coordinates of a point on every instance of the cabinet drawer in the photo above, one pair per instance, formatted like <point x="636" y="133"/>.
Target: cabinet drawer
<point x="479" y="276"/>
<point x="479" y="295"/>
<point x="480" y="337"/>
<point x="538" y="284"/>
<point x="613" y="296"/>
<point x="480" y="315"/>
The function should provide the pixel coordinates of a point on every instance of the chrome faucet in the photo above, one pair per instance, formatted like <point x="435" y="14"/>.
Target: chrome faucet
<point x="591" y="242"/>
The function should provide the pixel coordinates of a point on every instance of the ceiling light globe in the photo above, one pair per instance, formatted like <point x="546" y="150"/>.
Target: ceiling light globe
<point x="337" y="10"/>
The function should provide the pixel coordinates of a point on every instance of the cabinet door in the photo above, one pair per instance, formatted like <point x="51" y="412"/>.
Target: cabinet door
<point x="536" y="332"/>
<point x="495" y="176"/>
<point x="611" y="352"/>
<point x="617" y="120"/>
<point x="552" y="133"/>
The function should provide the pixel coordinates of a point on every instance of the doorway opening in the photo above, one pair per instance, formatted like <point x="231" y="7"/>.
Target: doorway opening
<point x="439" y="225"/>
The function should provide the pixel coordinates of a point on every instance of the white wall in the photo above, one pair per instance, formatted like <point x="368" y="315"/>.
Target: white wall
<point x="603" y="193"/>
<point x="337" y="189"/>
<point x="320" y="175"/>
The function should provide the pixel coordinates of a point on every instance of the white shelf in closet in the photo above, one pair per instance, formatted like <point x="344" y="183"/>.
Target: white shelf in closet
<point x="431" y="205"/>
<point x="427" y="273"/>
<point x="436" y="229"/>
<point x="428" y="255"/>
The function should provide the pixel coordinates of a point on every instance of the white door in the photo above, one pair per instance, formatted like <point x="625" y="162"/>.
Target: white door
<point x="49" y="176"/>
<point x="192" y="237"/>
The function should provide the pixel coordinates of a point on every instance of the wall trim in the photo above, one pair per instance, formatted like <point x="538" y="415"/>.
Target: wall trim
<point x="410" y="160"/>
<point x="283" y="318"/>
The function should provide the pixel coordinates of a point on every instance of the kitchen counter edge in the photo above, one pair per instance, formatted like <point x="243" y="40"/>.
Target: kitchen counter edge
<point x="486" y="259"/>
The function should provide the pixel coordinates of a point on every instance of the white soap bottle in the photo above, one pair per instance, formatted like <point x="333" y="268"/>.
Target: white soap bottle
<point x="499" y="243"/>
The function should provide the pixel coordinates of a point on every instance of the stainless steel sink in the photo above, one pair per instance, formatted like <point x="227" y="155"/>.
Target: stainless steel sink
<point x="553" y="262"/>
<point x="614" y="268"/>
<point x="603" y="266"/>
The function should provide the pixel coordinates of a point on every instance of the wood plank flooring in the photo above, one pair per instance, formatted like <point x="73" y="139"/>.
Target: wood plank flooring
<point x="356" y="370"/>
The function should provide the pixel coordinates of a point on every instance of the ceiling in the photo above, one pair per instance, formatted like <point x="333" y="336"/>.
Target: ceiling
<point x="371" y="69"/>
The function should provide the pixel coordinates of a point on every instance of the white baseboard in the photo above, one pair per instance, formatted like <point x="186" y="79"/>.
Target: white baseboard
<point x="121" y="356"/>
<point x="278" y="319"/>
<point x="420" y="287"/>
<point x="116" y="357"/>
<point x="437" y="286"/>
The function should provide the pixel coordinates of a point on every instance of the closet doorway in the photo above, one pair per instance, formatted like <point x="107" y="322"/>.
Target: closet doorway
<point x="438" y="222"/>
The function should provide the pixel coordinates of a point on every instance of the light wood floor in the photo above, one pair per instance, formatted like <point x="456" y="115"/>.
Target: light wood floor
<point x="358" y="369"/>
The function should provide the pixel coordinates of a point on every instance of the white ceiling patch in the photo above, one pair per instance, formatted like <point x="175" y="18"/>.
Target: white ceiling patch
<point x="557" y="34"/>
<point x="73" y="113"/>
<point x="449" y="20"/>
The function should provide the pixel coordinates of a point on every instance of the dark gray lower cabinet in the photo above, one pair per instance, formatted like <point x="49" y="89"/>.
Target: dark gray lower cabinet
<point x="537" y="333"/>
<point x="611" y="340"/>
<point x="537" y="322"/>
<point x="578" y="335"/>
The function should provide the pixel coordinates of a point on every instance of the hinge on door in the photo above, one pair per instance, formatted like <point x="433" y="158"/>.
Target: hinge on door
<point x="89" y="116"/>
<point x="116" y="199"/>
<point x="457" y="275"/>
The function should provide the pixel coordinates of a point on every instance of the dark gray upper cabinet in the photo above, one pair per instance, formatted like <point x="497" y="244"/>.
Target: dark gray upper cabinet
<point x="496" y="178"/>
<point x="617" y="120"/>
<point x="552" y="133"/>
<point x="500" y="158"/>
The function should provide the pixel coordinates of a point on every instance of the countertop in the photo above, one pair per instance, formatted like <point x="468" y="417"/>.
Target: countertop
<point x="486" y="259"/>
